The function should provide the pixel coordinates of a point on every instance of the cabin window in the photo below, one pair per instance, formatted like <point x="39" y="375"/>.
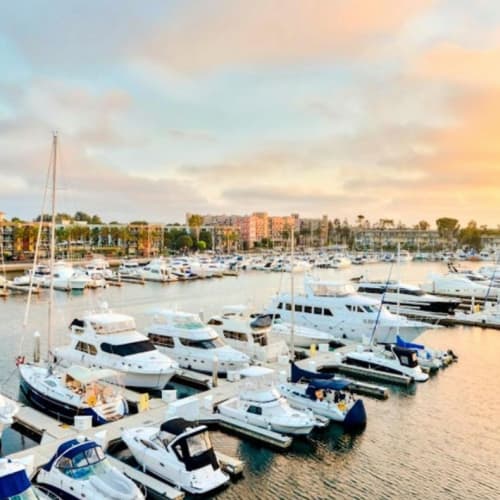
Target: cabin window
<point x="298" y="308"/>
<point x="288" y="307"/>
<point x="216" y="322"/>
<point x="280" y="305"/>
<point x="241" y="337"/>
<point x="161" y="340"/>
<point x="128" y="349"/>
<point x="198" y="444"/>
<point x="327" y="312"/>
<point x="317" y="310"/>
<point x="348" y="307"/>
<point x="256" y="410"/>
<point x="86" y="348"/>
<point x="202" y="344"/>
<point x="260" y="338"/>
<point x="308" y="309"/>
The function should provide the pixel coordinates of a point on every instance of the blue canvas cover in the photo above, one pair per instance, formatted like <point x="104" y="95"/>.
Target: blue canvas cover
<point x="299" y="373"/>
<point x="400" y="342"/>
<point x="14" y="484"/>
<point x="70" y="449"/>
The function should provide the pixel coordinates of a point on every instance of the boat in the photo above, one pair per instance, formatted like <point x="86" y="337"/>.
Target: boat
<point x="180" y="453"/>
<point x="324" y="395"/>
<point x="157" y="270"/>
<point x="37" y="276"/>
<point x="407" y="296"/>
<point x="66" y="393"/>
<point x="259" y="343"/>
<point x="129" y="268"/>
<point x="99" y="265"/>
<point x="16" y="485"/>
<point x="458" y="285"/>
<point x="80" y="470"/>
<point x="259" y="403"/>
<point x="105" y="339"/>
<point x="336" y="308"/>
<point x="195" y="346"/>
<point x="8" y="409"/>
<point x="387" y="358"/>
<point x="428" y="358"/>
<point x="64" y="277"/>
<point x="489" y="315"/>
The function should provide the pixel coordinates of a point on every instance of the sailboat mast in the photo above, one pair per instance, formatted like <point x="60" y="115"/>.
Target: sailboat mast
<point x="292" y="292"/>
<point x="52" y="246"/>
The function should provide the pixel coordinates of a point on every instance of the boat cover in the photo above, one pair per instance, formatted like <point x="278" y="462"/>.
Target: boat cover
<point x="400" y="342"/>
<point x="14" y="484"/>
<point x="298" y="373"/>
<point x="176" y="426"/>
<point x="70" y="449"/>
<point x="334" y="384"/>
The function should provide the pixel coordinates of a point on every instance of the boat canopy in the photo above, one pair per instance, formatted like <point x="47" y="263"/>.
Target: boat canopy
<point x="70" y="449"/>
<point x="298" y="373"/>
<point x="177" y="426"/>
<point x="86" y="375"/>
<point x="262" y="321"/>
<point x="400" y="342"/>
<point x="334" y="385"/>
<point x="15" y="483"/>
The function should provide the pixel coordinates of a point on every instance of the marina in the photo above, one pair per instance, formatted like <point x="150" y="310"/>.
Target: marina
<point x="226" y="431"/>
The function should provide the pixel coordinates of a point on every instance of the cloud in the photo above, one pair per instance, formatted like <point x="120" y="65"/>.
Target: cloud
<point x="204" y="35"/>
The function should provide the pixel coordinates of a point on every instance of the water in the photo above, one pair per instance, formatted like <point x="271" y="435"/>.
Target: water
<point x="437" y="440"/>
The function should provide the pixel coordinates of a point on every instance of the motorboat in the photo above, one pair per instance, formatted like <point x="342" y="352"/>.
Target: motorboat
<point x="489" y="315"/>
<point x="80" y="470"/>
<point x="259" y="403"/>
<point x="336" y="308"/>
<point x="105" y="339"/>
<point x="324" y="395"/>
<point x="407" y="296"/>
<point x="430" y="359"/>
<point x="258" y="342"/>
<point x="387" y="358"/>
<point x="194" y="345"/>
<point x="76" y="391"/>
<point x="340" y="262"/>
<point x="99" y="265"/>
<point x="37" y="276"/>
<point x="15" y="483"/>
<point x="178" y="452"/>
<point x="8" y="409"/>
<point x="64" y="277"/>
<point x="129" y="268"/>
<point x="302" y="336"/>
<point x="459" y="286"/>
<point x="157" y="270"/>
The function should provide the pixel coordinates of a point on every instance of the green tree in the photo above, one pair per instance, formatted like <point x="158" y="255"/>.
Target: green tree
<point x="202" y="246"/>
<point x="95" y="219"/>
<point x="447" y="228"/>
<point x="82" y="216"/>
<point x="195" y="222"/>
<point x="183" y="242"/>
<point x="422" y="225"/>
<point x="471" y="235"/>
<point x="206" y="236"/>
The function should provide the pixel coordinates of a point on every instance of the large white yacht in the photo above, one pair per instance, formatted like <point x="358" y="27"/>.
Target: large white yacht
<point x="235" y="327"/>
<point x="459" y="286"/>
<point x="108" y="340"/>
<point x="67" y="278"/>
<point x="157" y="270"/>
<point x="179" y="452"/>
<point x="336" y="308"/>
<point x="195" y="346"/>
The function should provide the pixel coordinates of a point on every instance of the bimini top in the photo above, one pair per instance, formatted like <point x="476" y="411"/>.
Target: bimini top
<point x="177" y="426"/>
<point x="13" y="479"/>
<point x="298" y="373"/>
<point x="71" y="449"/>
<point x="86" y="375"/>
<point x="334" y="385"/>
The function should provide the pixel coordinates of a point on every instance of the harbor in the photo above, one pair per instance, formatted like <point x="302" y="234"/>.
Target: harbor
<point x="390" y="408"/>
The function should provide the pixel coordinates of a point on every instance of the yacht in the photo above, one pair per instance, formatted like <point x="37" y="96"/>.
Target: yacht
<point x="99" y="265"/>
<point x="259" y="343"/>
<point x="8" y="409"/>
<point x="108" y="340"/>
<point x="388" y="358"/>
<point x="337" y="309"/>
<point x="260" y="404"/>
<point x="407" y="296"/>
<point x="157" y="270"/>
<point x="64" y="394"/>
<point x="66" y="278"/>
<point x="195" y="346"/>
<point x="324" y="395"/>
<point x="41" y="275"/>
<point x="80" y="470"/>
<point x="340" y="262"/>
<point x="459" y="286"/>
<point x="16" y="485"/>
<point x="129" y="268"/>
<point x="488" y="316"/>
<point x="178" y="452"/>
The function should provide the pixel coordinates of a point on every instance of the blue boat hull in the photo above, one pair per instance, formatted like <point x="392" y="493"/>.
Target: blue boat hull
<point x="356" y="417"/>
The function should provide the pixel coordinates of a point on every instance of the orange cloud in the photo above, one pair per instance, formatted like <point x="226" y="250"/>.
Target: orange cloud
<point x="239" y="32"/>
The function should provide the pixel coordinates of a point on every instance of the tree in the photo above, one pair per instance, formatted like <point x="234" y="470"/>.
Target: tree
<point x="195" y="222"/>
<point x="95" y="219"/>
<point x="471" y="235"/>
<point x="82" y="216"/>
<point x="360" y="218"/>
<point x="447" y="228"/>
<point x="206" y="236"/>
<point x="202" y="246"/>
<point x="423" y="225"/>
<point x="183" y="242"/>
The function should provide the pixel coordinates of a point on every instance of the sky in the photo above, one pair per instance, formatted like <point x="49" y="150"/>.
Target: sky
<point x="382" y="108"/>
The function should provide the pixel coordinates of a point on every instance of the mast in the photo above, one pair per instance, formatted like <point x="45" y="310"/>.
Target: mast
<point x="52" y="247"/>
<point x="292" y="292"/>
<point x="398" y="286"/>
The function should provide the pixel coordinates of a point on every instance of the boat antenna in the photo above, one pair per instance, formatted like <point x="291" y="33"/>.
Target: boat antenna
<point x="52" y="250"/>
<point x="381" y="304"/>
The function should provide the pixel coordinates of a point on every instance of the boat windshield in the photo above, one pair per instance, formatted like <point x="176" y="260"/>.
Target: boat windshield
<point x="84" y="464"/>
<point x="128" y="349"/>
<point x="29" y="494"/>
<point x="203" y="344"/>
<point x="325" y="289"/>
<point x="115" y="327"/>
<point x="198" y="444"/>
<point x="189" y="323"/>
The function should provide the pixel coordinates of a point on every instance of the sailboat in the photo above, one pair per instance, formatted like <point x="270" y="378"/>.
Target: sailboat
<point x="78" y="390"/>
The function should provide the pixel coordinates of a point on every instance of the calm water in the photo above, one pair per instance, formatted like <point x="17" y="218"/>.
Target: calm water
<point x="436" y="440"/>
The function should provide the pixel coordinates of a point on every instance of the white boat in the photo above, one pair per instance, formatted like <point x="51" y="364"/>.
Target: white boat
<point x="340" y="262"/>
<point x="16" y="485"/>
<point x="66" y="278"/>
<point x="195" y="346"/>
<point x="260" y="404"/>
<point x="157" y="270"/>
<point x="129" y="268"/>
<point x="77" y="390"/>
<point x="99" y="265"/>
<point x="235" y="327"/>
<point x="407" y="296"/>
<point x="459" y="286"/>
<point x="41" y="273"/>
<point x="337" y="309"/>
<point x="8" y="409"/>
<point x="178" y="452"/>
<point x="325" y="396"/>
<point x="429" y="359"/>
<point x="108" y="340"/>
<point x="489" y="315"/>
<point x="404" y="256"/>
<point x="80" y="470"/>
<point x="388" y="359"/>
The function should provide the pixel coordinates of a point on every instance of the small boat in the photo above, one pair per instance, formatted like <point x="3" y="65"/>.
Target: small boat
<point x="195" y="346"/>
<point x="388" y="358"/>
<point x="428" y="358"/>
<point x="78" y="390"/>
<point x="261" y="405"/>
<point x="157" y="270"/>
<point x="16" y="485"/>
<point x="8" y="409"/>
<point x="80" y="470"/>
<point x="488" y="316"/>
<point x="179" y="452"/>
<point x="324" y="395"/>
